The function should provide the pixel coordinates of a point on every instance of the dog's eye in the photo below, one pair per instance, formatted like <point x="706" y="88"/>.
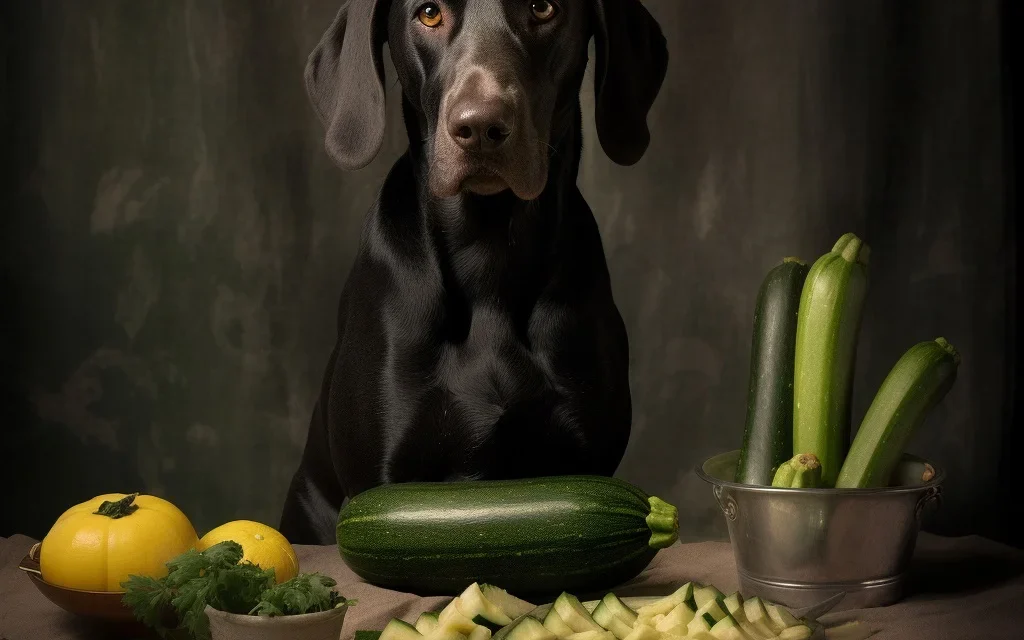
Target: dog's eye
<point x="543" y="10"/>
<point x="429" y="14"/>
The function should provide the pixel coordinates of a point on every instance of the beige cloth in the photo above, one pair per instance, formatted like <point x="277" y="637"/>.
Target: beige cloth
<point x="963" y="588"/>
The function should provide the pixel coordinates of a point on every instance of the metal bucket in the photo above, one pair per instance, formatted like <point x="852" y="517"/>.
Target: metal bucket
<point x="797" y="547"/>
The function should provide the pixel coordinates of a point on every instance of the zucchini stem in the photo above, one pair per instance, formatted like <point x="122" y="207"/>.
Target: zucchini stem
<point x="663" y="521"/>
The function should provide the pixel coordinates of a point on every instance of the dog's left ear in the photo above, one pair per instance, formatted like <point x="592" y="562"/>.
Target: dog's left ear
<point x="345" y="81"/>
<point x="632" y="59"/>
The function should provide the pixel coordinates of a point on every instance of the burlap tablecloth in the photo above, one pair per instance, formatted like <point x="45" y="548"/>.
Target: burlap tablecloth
<point x="962" y="588"/>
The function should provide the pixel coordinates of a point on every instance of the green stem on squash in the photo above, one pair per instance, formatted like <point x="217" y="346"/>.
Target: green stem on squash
<point x="118" y="508"/>
<point x="663" y="521"/>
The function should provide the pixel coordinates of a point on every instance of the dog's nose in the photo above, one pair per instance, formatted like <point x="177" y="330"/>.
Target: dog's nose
<point x="481" y="124"/>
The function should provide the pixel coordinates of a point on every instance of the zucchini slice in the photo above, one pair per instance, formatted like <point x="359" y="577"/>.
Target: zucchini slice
<point x="451" y="618"/>
<point x="782" y="618"/>
<point x="727" y="629"/>
<point x="529" y="628"/>
<point x="427" y="622"/>
<point x="698" y="624"/>
<point x="680" y="616"/>
<point x="556" y="625"/>
<point x="400" y="630"/>
<point x="480" y="633"/>
<point x="702" y="595"/>
<point x="757" y="617"/>
<point x="797" y="632"/>
<point x="644" y="632"/>
<point x="591" y="635"/>
<point x="603" y="616"/>
<point x="480" y="610"/>
<point x="712" y="611"/>
<point x="510" y="605"/>
<point x="669" y="602"/>
<point x="575" y="614"/>
<point x="619" y="609"/>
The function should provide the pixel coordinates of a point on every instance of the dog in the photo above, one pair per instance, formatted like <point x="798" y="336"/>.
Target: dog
<point x="477" y="334"/>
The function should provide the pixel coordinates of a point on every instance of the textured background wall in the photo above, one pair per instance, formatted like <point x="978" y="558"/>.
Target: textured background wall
<point x="175" y="239"/>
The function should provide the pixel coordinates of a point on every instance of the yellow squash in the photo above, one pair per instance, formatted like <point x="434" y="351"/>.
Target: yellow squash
<point x="95" y="545"/>
<point x="262" y="545"/>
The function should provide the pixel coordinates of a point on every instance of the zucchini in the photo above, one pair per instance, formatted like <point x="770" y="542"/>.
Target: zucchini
<point x="575" y="615"/>
<point x="529" y="628"/>
<point x="591" y="635"/>
<point x="644" y="632"/>
<point x="802" y="470"/>
<point x="780" y="618"/>
<point x="480" y="633"/>
<point x="768" y="430"/>
<point x="705" y="595"/>
<point x="680" y="616"/>
<point x="481" y="611"/>
<point x="668" y="603"/>
<point x="510" y="605"/>
<point x="556" y="625"/>
<point x="918" y="381"/>
<point x="398" y="630"/>
<point x="727" y="629"/>
<point x="605" y="616"/>
<point x="535" y="536"/>
<point x="618" y="609"/>
<point x="757" y="616"/>
<point x="828" y="325"/>
<point x="427" y="622"/>
<point x="911" y="471"/>
<point x="796" y="632"/>
<point x="452" y="618"/>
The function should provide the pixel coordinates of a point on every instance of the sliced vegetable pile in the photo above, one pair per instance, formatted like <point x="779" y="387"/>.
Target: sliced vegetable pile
<point x="693" y="611"/>
<point x="798" y="423"/>
<point x="536" y="536"/>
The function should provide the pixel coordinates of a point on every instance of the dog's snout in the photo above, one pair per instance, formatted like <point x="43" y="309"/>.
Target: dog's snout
<point x="481" y="124"/>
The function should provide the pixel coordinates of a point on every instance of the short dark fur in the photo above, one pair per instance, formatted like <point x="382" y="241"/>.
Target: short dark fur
<point x="477" y="335"/>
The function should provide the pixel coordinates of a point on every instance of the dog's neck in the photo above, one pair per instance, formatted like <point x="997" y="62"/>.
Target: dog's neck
<point x="483" y="241"/>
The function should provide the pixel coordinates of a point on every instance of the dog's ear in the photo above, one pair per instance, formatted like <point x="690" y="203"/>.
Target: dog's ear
<point x="345" y="82"/>
<point x="632" y="58"/>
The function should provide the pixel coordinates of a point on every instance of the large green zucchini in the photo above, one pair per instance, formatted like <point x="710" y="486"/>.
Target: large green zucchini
<point x="538" y="536"/>
<point x="768" y="432"/>
<point x="831" y="306"/>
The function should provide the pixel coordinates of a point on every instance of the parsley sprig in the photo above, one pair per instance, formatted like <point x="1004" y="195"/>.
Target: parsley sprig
<point x="217" y="577"/>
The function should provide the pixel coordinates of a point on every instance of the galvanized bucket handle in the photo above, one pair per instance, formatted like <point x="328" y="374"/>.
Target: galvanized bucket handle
<point x="933" y="495"/>
<point x="728" y="503"/>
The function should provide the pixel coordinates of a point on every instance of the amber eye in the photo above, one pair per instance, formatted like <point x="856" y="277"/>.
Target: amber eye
<point x="543" y="10"/>
<point x="429" y="14"/>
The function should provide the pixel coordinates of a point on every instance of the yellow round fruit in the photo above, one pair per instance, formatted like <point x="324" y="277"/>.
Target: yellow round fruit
<point x="262" y="545"/>
<point x="97" y="544"/>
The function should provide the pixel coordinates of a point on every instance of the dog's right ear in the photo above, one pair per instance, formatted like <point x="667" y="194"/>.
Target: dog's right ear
<point x="345" y="82"/>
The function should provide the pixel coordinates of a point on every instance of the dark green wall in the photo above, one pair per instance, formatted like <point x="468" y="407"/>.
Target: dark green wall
<point x="175" y="238"/>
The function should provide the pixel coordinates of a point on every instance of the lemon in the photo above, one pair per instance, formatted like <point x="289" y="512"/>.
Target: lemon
<point x="262" y="545"/>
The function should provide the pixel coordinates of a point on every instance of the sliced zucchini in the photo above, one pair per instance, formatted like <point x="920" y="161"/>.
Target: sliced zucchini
<point x="480" y="633"/>
<point x="678" y="631"/>
<point x="705" y="594"/>
<point x="400" y="630"/>
<point x="644" y="632"/>
<point x="427" y="622"/>
<point x="698" y="624"/>
<point x="556" y="625"/>
<point x="604" y="616"/>
<point x="669" y="602"/>
<point x="782" y="618"/>
<point x="727" y="629"/>
<point x="510" y="605"/>
<point x="619" y="609"/>
<point x="701" y="635"/>
<point x="712" y="611"/>
<point x="575" y="614"/>
<point x="529" y="628"/>
<point x="451" y="618"/>
<point x="445" y="633"/>
<point x="796" y="632"/>
<point x="680" y="616"/>
<point x="757" y="617"/>
<point x="852" y="630"/>
<point x="480" y="610"/>
<point x="591" y="635"/>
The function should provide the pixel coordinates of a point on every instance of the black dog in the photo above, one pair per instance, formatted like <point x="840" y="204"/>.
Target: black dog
<point x="477" y="335"/>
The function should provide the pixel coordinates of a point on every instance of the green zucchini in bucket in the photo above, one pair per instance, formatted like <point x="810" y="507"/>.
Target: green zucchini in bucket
<point x="831" y="306"/>
<point x="768" y="432"/>
<point x="918" y="381"/>
<point x="536" y="536"/>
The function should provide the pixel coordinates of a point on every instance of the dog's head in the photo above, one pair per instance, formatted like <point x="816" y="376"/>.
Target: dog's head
<point x="491" y="82"/>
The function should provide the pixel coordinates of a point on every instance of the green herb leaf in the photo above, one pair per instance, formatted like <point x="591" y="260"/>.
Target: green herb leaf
<point x="305" y="593"/>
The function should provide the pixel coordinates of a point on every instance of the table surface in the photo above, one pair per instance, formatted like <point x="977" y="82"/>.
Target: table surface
<point x="961" y="588"/>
